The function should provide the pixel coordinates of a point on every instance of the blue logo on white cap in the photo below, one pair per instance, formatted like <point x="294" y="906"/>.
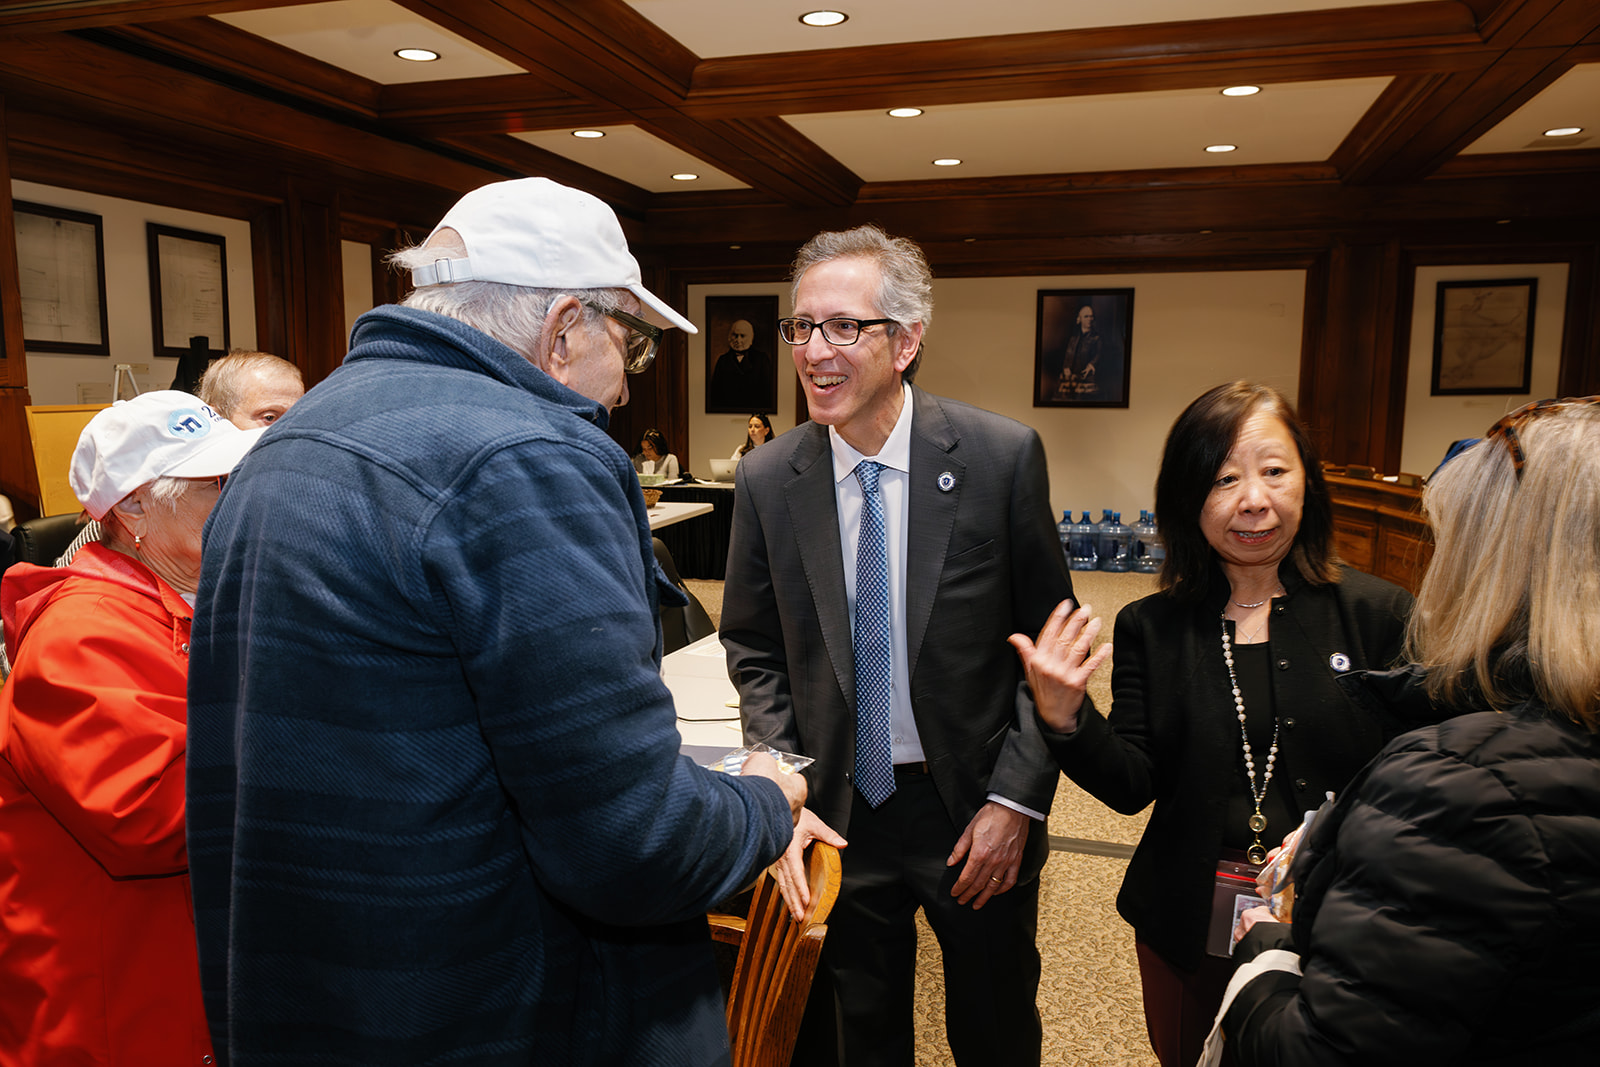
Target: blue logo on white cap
<point x="193" y="423"/>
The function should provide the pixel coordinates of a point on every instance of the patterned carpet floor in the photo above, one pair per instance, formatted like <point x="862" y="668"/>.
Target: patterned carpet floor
<point x="1089" y="993"/>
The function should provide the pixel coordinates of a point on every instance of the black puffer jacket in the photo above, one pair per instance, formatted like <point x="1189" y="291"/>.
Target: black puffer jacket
<point x="1448" y="909"/>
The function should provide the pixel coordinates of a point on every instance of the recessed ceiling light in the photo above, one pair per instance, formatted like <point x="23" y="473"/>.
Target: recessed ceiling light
<point x="823" y="18"/>
<point x="1563" y="131"/>
<point x="1241" y="90"/>
<point x="736" y="247"/>
<point x="1221" y="147"/>
<point x="686" y="177"/>
<point x="904" y="112"/>
<point x="588" y="135"/>
<point x="417" y="55"/>
<point x="947" y="162"/>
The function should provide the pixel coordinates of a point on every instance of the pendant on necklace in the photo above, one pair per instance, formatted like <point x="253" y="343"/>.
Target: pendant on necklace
<point x="1258" y="823"/>
<point x="1257" y="853"/>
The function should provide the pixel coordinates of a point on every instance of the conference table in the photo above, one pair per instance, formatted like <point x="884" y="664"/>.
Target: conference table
<point x="670" y="512"/>
<point x="700" y="549"/>
<point x="707" y="703"/>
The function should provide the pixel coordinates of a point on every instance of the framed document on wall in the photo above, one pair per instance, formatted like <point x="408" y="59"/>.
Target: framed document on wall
<point x="61" y="261"/>
<point x="1483" y="337"/>
<point x="188" y="290"/>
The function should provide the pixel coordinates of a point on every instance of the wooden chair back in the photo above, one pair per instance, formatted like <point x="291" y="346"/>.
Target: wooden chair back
<point x="777" y="958"/>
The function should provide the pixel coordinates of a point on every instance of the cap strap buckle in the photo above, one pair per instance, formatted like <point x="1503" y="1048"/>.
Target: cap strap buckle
<point x="442" y="272"/>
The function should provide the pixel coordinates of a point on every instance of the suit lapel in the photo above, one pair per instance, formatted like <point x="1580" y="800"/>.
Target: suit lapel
<point x="931" y="514"/>
<point x="814" y="518"/>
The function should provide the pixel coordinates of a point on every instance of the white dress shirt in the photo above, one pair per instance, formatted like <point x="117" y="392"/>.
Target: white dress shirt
<point x="894" y="483"/>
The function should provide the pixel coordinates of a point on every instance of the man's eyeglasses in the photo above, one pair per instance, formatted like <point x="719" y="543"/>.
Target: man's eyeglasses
<point x="643" y="341"/>
<point x="839" y="332"/>
<point x="1509" y="428"/>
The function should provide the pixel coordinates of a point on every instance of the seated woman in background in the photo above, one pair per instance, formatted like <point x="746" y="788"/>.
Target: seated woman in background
<point x="1227" y="712"/>
<point x="1447" y="906"/>
<point x="97" y="944"/>
<point x="653" y="457"/>
<point x="760" y="432"/>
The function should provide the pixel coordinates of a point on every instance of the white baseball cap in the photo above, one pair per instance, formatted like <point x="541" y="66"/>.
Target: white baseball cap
<point x="544" y="235"/>
<point x="164" y="434"/>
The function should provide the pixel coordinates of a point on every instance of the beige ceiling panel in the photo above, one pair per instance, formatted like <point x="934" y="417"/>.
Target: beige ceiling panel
<point x="1292" y="123"/>
<point x="752" y="27"/>
<point x="628" y="153"/>
<point x="361" y="36"/>
<point x="1571" y="100"/>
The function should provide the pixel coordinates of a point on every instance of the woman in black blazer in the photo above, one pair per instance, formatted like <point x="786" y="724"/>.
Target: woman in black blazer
<point x="1227" y="712"/>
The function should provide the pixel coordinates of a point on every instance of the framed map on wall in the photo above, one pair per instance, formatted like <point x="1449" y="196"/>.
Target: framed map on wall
<point x="1483" y="337"/>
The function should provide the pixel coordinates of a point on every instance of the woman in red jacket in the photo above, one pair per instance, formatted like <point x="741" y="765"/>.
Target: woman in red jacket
<point x="97" y="944"/>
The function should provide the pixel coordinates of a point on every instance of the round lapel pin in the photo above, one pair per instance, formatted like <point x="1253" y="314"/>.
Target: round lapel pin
<point x="1339" y="662"/>
<point x="947" y="482"/>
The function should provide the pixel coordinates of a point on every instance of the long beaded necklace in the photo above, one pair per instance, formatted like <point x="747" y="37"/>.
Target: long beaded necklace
<point x="1258" y="822"/>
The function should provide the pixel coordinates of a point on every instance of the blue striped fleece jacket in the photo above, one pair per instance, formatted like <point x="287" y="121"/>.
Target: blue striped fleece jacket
<point x="436" y="808"/>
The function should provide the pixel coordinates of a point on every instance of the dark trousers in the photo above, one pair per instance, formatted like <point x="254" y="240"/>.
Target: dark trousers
<point x="1180" y="1005"/>
<point x="895" y="863"/>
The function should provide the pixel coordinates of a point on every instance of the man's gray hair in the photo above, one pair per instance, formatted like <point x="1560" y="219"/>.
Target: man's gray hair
<point x="225" y="380"/>
<point x="511" y="314"/>
<point x="905" y="286"/>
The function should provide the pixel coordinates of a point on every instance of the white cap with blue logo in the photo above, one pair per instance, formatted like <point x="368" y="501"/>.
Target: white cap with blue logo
<point x="164" y="434"/>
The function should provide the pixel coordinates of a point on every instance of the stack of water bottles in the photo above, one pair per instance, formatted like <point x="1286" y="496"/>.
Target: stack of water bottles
<point x="1149" y="552"/>
<point x="1108" y="545"/>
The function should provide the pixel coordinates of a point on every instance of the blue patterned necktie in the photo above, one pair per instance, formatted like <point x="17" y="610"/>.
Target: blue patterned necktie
<point x="874" y="668"/>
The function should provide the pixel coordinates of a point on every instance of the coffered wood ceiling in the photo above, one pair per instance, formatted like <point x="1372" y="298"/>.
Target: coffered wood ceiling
<point x="1367" y="117"/>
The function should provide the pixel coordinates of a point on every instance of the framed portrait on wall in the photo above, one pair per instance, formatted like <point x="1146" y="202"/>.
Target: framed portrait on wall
<point x="1083" y="348"/>
<point x="1483" y="337"/>
<point x="188" y="290"/>
<point x="62" y="277"/>
<point x="741" y="355"/>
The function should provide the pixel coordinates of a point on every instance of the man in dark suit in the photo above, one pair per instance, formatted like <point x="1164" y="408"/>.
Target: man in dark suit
<point x="889" y="665"/>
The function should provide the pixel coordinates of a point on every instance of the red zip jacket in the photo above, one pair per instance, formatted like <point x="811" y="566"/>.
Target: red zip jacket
<point x="97" y="944"/>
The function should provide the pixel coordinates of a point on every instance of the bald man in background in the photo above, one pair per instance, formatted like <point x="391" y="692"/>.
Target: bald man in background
<point x="743" y="379"/>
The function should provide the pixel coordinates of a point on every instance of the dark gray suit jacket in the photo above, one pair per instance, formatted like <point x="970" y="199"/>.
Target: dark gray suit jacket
<point x="983" y="562"/>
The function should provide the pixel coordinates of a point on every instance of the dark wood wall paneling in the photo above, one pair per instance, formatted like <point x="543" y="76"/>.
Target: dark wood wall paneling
<point x="18" y="479"/>
<point x="161" y="112"/>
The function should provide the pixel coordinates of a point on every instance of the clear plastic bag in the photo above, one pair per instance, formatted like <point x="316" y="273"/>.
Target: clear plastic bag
<point x="1273" y="881"/>
<point x="731" y="762"/>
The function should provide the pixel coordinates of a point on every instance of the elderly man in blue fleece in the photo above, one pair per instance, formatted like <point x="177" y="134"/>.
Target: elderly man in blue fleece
<point x="437" y="812"/>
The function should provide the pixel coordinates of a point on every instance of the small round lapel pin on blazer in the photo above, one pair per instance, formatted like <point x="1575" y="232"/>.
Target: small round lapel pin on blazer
<point x="947" y="482"/>
<point x="1339" y="662"/>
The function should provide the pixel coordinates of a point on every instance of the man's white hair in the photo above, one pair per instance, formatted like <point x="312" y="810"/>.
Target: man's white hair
<point x="511" y="314"/>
